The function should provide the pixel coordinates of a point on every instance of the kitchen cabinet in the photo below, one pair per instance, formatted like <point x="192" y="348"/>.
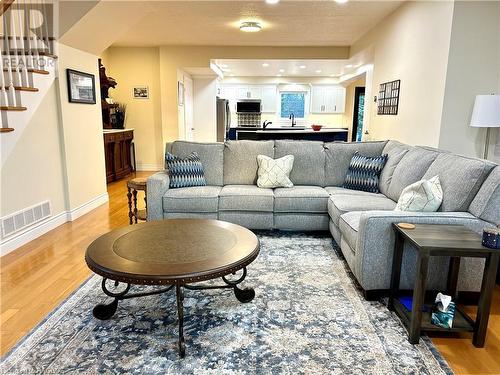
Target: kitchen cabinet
<point x="327" y="99"/>
<point x="266" y="93"/>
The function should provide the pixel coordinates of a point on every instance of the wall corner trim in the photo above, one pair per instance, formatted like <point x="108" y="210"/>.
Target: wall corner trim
<point x="21" y="238"/>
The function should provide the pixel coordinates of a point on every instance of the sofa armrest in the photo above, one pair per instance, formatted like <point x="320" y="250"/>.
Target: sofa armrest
<point x="375" y="248"/>
<point x="157" y="186"/>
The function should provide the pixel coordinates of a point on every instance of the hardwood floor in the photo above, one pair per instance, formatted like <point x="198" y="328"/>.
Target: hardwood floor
<point x="37" y="277"/>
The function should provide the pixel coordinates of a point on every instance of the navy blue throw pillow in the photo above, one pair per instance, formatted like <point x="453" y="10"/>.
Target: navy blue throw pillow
<point x="364" y="171"/>
<point x="185" y="172"/>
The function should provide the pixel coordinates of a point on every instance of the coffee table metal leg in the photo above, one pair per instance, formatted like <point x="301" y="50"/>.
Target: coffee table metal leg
<point x="106" y="311"/>
<point x="180" y="311"/>
<point x="242" y="295"/>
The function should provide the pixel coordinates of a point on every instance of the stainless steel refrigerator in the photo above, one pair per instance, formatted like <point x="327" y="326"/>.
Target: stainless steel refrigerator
<point x="223" y="119"/>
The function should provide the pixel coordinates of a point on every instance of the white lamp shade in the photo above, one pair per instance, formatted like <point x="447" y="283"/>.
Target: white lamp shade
<point x="486" y="113"/>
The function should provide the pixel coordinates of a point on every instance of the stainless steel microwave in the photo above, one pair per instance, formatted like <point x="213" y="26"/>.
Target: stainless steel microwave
<point x="248" y="106"/>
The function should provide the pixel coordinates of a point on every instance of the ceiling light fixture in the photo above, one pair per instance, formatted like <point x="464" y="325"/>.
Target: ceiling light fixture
<point x="302" y="67"/>
<point x="250" y="27"/>
<point x="265" y="65"/>
<point x="348" y="66"/>
<point x="272" y="1"/>
<point x="341" y="1"/>
<point x="318" y="71"/>
<point x="282" y="70"/>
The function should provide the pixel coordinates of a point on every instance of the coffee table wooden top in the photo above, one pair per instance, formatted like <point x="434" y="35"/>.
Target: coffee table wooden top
<point x="175" y="251"/>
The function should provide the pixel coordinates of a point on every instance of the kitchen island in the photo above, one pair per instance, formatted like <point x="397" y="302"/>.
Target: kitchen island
<point x="325" y="134"/>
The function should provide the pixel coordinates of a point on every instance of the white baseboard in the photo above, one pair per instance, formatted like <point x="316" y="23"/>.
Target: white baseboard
<point x="87" y="207"/>
<point x="145" y="167"/>
<point x="31" y="233"/>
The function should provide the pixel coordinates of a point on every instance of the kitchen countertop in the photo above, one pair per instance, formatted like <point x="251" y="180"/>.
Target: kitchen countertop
<point x="116" y="130"/>
<point x="307" y="130"/>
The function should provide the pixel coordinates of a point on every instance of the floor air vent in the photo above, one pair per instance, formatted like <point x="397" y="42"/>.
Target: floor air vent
<point x="24" y="218"/>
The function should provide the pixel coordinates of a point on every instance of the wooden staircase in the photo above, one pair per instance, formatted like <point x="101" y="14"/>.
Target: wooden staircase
<point x="25" y="54"/>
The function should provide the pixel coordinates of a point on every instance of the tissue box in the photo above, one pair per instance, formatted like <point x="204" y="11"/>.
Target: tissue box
<point x="491" y="238"/>
<point x="444" y="319"/>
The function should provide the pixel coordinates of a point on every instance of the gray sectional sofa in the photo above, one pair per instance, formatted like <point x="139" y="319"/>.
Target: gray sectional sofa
<point x="360" y="222"/>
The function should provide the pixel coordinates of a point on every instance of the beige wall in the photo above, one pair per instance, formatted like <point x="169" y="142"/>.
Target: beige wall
<point x="411" y="44"/>
<point x="473" y="68"/>
<point x="34" y="170"/>
<point x="82" y="134"/>
<point x="131" y="67"/>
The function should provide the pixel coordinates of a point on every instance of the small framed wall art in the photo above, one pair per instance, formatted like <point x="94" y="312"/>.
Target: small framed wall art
<point x="140" y="92"/>
<point x="388" y="98"/>
<point x="81" y="87"/>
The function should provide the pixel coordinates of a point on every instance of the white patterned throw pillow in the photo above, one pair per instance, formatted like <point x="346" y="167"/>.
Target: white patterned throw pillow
<point x="421" y="196"/>
<point x="274" y="173"/>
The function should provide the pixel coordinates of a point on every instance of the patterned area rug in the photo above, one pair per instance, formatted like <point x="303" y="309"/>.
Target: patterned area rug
<point x="307" y="317"/>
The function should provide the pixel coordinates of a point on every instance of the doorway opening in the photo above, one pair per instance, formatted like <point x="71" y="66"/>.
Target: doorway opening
<point x="359" y="109"/>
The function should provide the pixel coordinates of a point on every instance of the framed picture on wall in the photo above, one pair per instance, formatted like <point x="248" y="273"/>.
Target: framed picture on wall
<point x="388" y="98"/>
<point x="140" y="92"/>
<point x="180" y="93"/>
<point x="81" y="87"/>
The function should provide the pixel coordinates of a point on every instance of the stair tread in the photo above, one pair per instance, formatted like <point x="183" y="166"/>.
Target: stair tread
<point x="31" y="70"/>
<point x="26" y="38"/>
<point x="40" y="53"/>
<point x="6" y="130"/>
<point x="22" y="88"/>
<point x="12" y="108"/>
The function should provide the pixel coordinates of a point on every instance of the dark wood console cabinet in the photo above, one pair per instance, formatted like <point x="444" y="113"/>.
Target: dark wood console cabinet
<point x="117" y="151"/>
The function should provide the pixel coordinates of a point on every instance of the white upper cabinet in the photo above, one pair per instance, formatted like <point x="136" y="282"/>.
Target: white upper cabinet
<point x="327" y="99"/>
<point x="266" y="93"/>
<point x="268" y="99"/>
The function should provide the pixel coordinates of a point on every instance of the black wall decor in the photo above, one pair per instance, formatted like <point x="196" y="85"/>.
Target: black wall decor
<point x="388" y="98"/>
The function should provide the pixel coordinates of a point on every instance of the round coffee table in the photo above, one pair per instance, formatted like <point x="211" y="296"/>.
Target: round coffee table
<point x="175" y="253"/>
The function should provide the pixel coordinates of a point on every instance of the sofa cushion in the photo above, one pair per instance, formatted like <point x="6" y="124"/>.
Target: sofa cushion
<point x="339" y="154"/>
<point x="363" y="173"/>
<point x="246" y="198"/>
<point x="410" y="169"/>
<point x="334" y="190"/>
<point x="340" y="204"/>
<point x="211" y="156"/>
<point x="395" y="152"/>
<point x="192" y="199"/>
<point x="486" y="204"/>
<point x="240" y="160"/>
<point x="349" y="227"/>
<point x="301" y="199"/>
<point x="309" y="161"/>
<point x="460" y="177"/>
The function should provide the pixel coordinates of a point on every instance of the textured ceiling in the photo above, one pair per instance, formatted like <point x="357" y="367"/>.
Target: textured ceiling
<point x="288" y="23"/>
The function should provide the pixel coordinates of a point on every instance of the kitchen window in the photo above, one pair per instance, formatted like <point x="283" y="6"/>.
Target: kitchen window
<point x="293" y="102"/>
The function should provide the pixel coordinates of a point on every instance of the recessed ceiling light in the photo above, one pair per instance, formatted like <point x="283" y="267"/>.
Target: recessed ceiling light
<point x="318" y="71"/>
<point x="265" y="65"/>
<point x="348" y="66"/>
<point x="302" y="67"/>
<point x="272" y="1"/>
<point x="282" y="70"/>
<point x="341" y="1"/>
<point x="250" y="27"/>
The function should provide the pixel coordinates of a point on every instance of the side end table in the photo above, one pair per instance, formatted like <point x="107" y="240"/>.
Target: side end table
<point x="133" y="186"/>
<point x="454" y="241"/>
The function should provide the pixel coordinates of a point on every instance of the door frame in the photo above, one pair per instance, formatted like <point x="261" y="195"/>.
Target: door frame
<point x="357" y="92"/>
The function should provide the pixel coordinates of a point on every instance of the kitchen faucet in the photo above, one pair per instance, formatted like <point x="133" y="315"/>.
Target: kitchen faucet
<point x="266" y="124"/>
<point x="292" y="117"/>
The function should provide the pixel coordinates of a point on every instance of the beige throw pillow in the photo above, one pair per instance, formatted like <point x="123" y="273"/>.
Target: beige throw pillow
<point x="274" y="173"/>
<point x="421" y="196"/>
